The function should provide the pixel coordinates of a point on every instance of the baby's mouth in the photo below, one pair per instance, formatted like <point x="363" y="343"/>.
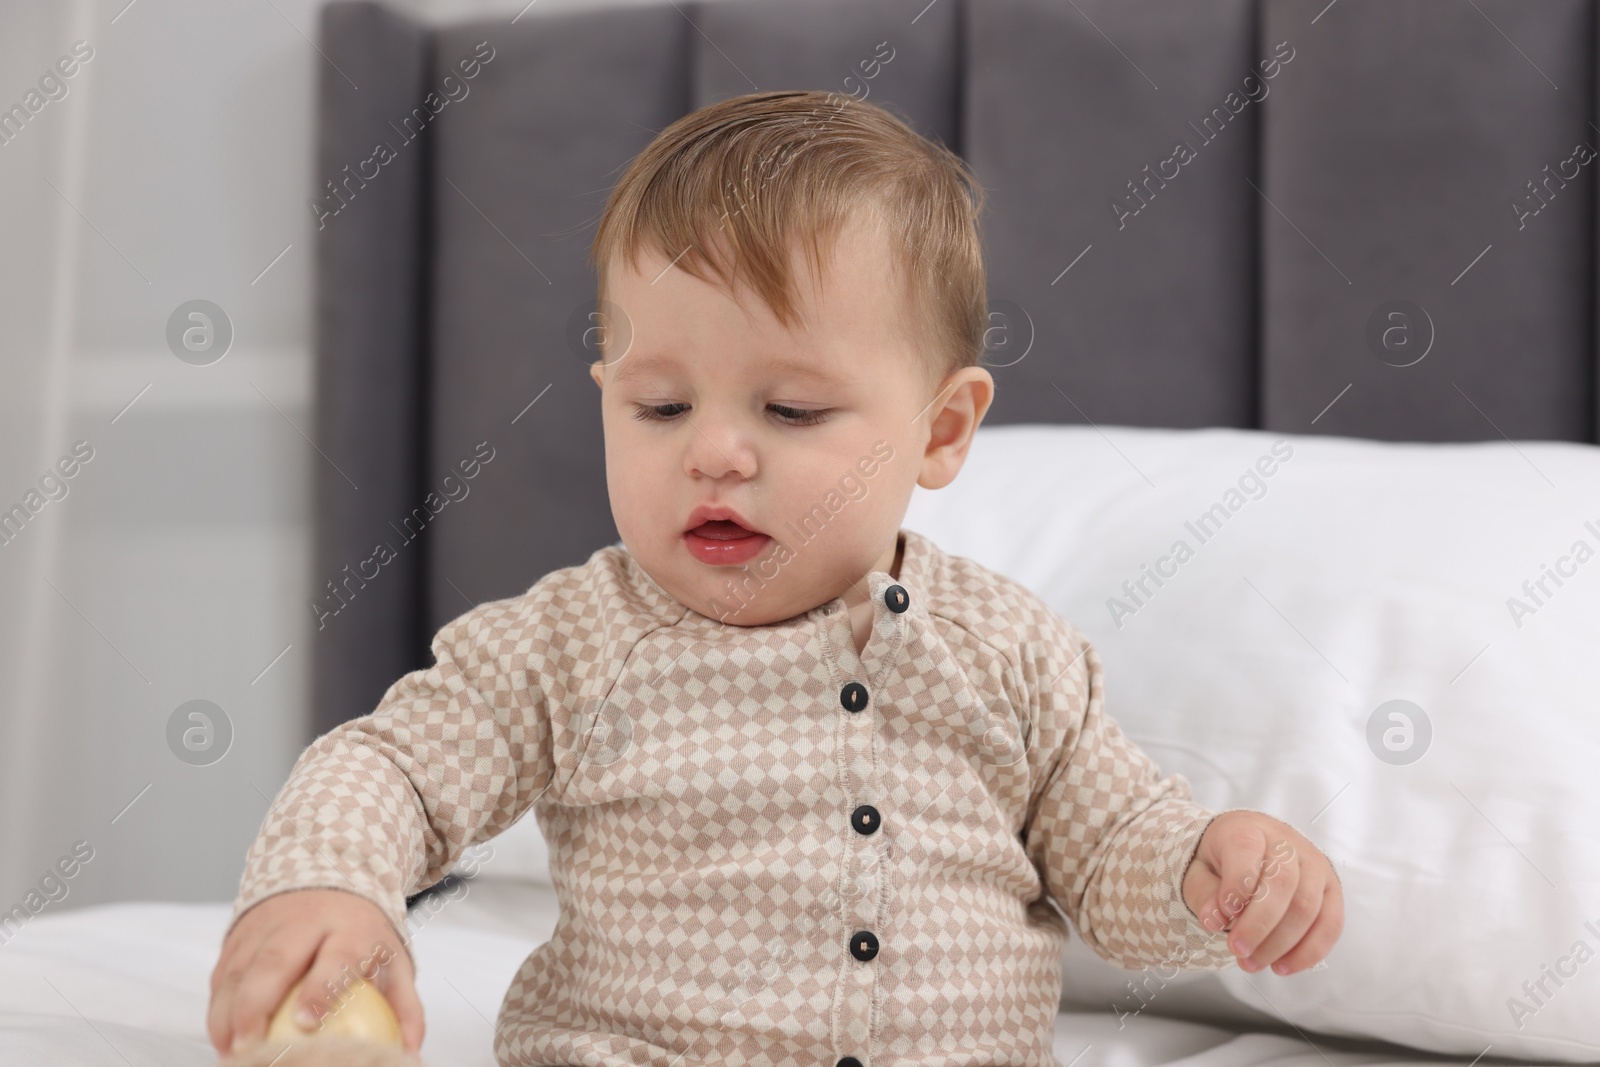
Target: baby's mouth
<point x="722" y="530"/>
<point x="723" y="542"/>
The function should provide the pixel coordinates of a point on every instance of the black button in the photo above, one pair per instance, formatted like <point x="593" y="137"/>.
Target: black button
<point x="849" y="1061"/>
<point x="864" y="819"/>
<point x="863" y="945"/>
<point x="897" y="598"/>
<point x="853" y="696"/>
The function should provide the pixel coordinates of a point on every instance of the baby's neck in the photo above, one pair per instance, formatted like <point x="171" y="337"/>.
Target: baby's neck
<point x="857" y="595"/>
<point x="860" y="608"/>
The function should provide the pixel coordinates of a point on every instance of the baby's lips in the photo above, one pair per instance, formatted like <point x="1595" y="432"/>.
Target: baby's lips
<point x="722" y="530"/>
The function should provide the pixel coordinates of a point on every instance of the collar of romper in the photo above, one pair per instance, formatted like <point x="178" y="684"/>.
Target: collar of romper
<point x="917" y="565"/>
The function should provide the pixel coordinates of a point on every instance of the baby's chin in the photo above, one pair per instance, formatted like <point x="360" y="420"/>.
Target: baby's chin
<point x="776" y="584"/>
<point x="754" y="614"/>
<point x="738" y="595"/>
<point x="747" y="604"/>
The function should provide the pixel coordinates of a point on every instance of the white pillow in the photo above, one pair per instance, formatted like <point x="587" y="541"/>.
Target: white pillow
<point x="1355" y="574"/>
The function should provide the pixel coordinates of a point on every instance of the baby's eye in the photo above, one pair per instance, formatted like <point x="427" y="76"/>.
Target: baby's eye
<point x="800" y="416"/>
<point x="657" y="412"/>
<point x="668" y="412"/>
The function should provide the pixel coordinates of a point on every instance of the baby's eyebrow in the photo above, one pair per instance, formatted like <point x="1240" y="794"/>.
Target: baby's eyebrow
<point x="800" y="369"/>
<point x="638" y="366"/>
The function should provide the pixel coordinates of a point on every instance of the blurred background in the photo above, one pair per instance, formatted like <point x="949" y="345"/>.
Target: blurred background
<point x="159" y="299"/>
<point x="174" y="164"/>
<point x="168" y="526"/>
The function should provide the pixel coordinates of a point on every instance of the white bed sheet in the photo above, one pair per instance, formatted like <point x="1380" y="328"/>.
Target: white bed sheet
<point x="127" y="984"/>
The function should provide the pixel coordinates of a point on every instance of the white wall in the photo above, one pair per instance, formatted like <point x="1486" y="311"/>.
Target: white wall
<point x="176" y="167"/>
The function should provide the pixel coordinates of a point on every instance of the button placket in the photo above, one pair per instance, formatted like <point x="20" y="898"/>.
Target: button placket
<point x="888" y="629"/>
<point x="861" y="853"/>
<point x="861" y="882"/>
<point x="868" y="908"/>
<point x="864" y="890"/>
<point x="856" y="1019"/>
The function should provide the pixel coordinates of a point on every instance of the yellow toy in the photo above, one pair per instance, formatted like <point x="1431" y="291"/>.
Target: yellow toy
<point x="361" y="1031"/>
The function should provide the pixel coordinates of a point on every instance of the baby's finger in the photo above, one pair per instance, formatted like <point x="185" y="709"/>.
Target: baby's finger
<point x="1205" y="885"/>
<point x="233" y="963"/>
<point x="339" y="963"/>
<point x="224" y="978"/>
<point x="1238" y="859"/>
<point x="266" y="978"/>
<point x="1304" y="904"/>
<point x="1266" y="908"/>
<point x="1320" y="938"/>
<point x="398" y="984"/>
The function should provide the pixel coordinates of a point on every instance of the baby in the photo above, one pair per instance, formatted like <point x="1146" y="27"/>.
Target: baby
<point x="814" y="790"/>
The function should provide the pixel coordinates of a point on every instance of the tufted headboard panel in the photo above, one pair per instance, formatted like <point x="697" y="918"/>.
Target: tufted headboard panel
<point x="1371" y="218"/>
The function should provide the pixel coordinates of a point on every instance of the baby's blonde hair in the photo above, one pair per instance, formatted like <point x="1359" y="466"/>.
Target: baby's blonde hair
<point x="763" y="170"/>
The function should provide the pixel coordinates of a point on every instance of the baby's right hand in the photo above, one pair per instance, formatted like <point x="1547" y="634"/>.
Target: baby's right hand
<point x="337" y="935"/>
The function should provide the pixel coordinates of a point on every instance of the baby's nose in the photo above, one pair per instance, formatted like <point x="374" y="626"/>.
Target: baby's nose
<point x="718" y="448"/>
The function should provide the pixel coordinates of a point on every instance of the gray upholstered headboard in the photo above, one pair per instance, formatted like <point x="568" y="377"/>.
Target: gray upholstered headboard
<point x="1372" y="218"/>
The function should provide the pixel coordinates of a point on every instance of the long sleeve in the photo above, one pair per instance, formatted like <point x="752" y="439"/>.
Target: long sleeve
<point x="385" y="804"/>
<point x="1109" y="834"/>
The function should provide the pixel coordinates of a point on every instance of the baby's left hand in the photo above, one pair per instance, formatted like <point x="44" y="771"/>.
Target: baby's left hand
<point x="1277" y="888"/>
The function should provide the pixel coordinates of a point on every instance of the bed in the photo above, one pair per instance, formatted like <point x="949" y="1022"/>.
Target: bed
<point x="68" y="1003"/>
<point x="1257" y="669"/>
<point x="1350" y="334"/>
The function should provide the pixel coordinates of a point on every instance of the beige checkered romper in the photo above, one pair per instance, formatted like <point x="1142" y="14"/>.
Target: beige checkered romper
<point x="768" y="850"/>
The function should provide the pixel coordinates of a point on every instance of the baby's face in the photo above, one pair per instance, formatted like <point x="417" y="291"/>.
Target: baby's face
<point x="812" y="440"/>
